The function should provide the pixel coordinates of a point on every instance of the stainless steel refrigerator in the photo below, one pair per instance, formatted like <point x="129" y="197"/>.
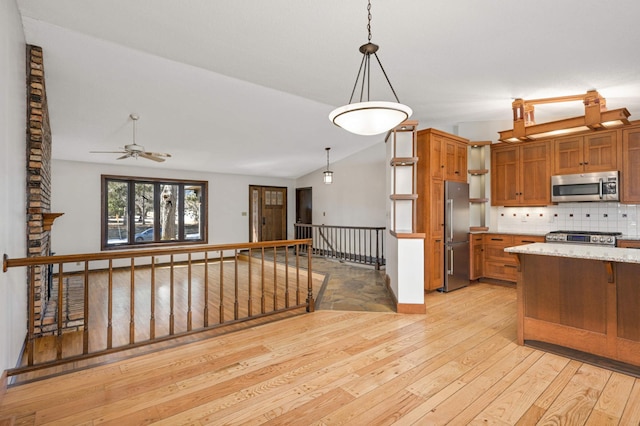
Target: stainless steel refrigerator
<point x="456" y="228"/>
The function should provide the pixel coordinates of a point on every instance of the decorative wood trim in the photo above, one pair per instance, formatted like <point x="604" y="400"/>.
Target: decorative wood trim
<point x="478" y="172"/>
<point x="48" y="218"/>
<point x="411" y="308"/>
<point x="408" y="235"/>
<point x="403" y="197"/>
<point x="478" y="144"/>
<point x="478" y="228"/>
<point x="403" y="161"/>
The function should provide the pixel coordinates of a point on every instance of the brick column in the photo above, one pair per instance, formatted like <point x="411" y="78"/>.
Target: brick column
<point x="38" y="173"/>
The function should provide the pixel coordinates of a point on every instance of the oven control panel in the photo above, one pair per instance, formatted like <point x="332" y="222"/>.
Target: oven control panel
<point x="607" y="239"/>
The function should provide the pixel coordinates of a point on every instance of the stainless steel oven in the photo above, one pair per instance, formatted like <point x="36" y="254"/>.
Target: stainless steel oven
<point x="601" y="186"/>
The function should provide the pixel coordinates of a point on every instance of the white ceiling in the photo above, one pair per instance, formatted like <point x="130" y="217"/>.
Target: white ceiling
<point x="245" y="86"/>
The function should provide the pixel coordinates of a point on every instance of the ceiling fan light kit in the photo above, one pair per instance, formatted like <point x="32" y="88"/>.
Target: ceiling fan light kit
<point x="368" y="117"/>
<point x="133" y="150"/>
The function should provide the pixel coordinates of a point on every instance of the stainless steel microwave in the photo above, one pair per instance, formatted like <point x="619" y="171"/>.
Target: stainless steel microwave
<point x="600" y="186"/>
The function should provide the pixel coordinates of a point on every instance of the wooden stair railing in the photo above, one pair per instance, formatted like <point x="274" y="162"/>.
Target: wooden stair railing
<point x="137" y="297"/>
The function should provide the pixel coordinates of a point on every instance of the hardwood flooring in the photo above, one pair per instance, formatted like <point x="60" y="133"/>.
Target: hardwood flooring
<point x="458" y="364"/>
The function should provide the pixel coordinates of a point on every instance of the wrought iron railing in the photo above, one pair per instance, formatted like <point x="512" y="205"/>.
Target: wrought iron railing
<point x="113" y="301"/>
<point x="346" y="243"/>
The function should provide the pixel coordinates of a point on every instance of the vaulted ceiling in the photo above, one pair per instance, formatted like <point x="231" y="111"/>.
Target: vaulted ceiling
<point x="245" y="86"/>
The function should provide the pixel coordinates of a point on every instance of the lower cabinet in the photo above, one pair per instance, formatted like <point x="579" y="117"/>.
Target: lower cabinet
<point x="476" y="256"/>
<point x="500" y="265"/>
<point x="437" y="264"/>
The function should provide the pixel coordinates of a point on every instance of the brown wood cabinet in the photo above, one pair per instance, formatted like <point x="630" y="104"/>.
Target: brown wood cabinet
<point x="442" y="157"/>
<point x="476" y="268"/>
<point x="447" y="155"/>
<point x="498" y="264"/>
<point x="630" y="173"/>
<point x="436" y="270"/>
<point x="455" y="160"/>
<point x="597" y="152"/>
<point x="521" y="174"/>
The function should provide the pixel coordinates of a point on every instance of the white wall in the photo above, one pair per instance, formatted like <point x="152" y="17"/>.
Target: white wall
<point x="357" y="196"/>
<point x="13" y="289"/>
<point x="76" y="193"/>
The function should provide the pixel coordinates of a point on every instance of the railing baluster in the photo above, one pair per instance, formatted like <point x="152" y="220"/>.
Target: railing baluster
<point x="189" y="315"/>
<point x="171" y="297"/>
<point x="85" y="320"/>
<point x="110" y="308"/>
<point x="132" y="305"/>
<point x="236" y="294"/>
<point x="32" y="315"/>
<point x="262" y="298"/>
<point x="60" y="311"/>
<point x="152" y="301"/>
<point x="206" y="289"/>
<point x="250" y="307"/>
<point x="298" y="272"/>
<point x="286" y="277"/>
<point x="311" y="306"/>
<point x="275" y="279"/>
<point x="221" y="289"/>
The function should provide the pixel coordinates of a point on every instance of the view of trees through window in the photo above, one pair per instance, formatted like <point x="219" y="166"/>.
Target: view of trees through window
<point x="143" y="211"/>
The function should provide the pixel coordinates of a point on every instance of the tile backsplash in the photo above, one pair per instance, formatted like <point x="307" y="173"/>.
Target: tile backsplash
<point x="572" y="217"/>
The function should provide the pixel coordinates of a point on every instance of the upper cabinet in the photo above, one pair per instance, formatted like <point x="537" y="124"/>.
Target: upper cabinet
<point x="447" y="155"/>
<point x="521" y="174"/>
<point x="589" y="153"/>
<point x="455" y="160"/>
<point x="630" y="173"/>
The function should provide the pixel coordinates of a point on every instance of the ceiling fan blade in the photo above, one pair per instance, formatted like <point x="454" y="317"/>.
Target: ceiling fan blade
<point x="107" y="152"/>
<point x="148" y="156"/>
<point x="127" y="155"/>
<point x="159" y="154"/>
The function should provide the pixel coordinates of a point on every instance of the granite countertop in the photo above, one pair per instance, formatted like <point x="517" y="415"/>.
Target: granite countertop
<point x="587" y="251"/>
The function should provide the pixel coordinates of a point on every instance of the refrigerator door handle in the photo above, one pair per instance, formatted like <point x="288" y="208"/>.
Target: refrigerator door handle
<point x="450" y="271"/>
<point x="450" y="218"/>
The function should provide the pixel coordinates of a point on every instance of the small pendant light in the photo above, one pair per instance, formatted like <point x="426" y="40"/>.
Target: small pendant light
<point x="328" y="174"/>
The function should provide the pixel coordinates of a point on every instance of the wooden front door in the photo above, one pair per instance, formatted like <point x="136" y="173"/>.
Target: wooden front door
<point x="268" y="213"/>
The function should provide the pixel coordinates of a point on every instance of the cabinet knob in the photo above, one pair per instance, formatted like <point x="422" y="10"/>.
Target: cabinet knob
<point x="580" y="164"/>
<point x="586" y="162"/>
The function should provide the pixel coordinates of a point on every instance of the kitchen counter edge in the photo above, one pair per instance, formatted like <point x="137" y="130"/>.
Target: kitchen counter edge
<point x="591" y="252"/>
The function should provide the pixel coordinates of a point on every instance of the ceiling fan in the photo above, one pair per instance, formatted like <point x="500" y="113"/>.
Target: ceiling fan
<point x="134" y="150"/>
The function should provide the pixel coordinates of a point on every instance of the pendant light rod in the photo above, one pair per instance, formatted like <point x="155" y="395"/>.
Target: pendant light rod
<point x="368" y="117"/>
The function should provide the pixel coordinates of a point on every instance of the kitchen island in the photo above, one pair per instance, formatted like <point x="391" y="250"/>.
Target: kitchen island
<point x="582" y="297"/>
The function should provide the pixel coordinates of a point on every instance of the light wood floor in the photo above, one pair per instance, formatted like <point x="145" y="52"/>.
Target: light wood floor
<point x="458" y="364"/>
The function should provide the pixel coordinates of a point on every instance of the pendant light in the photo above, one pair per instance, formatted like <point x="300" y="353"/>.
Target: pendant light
<point x="328" y="174"/>
<point x="368" y="117"/>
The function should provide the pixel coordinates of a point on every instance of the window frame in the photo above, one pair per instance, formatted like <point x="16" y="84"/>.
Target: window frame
<point x="131" y="181"/>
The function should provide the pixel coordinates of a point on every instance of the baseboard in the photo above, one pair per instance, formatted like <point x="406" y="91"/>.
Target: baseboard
<point x="411" y="308"/>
